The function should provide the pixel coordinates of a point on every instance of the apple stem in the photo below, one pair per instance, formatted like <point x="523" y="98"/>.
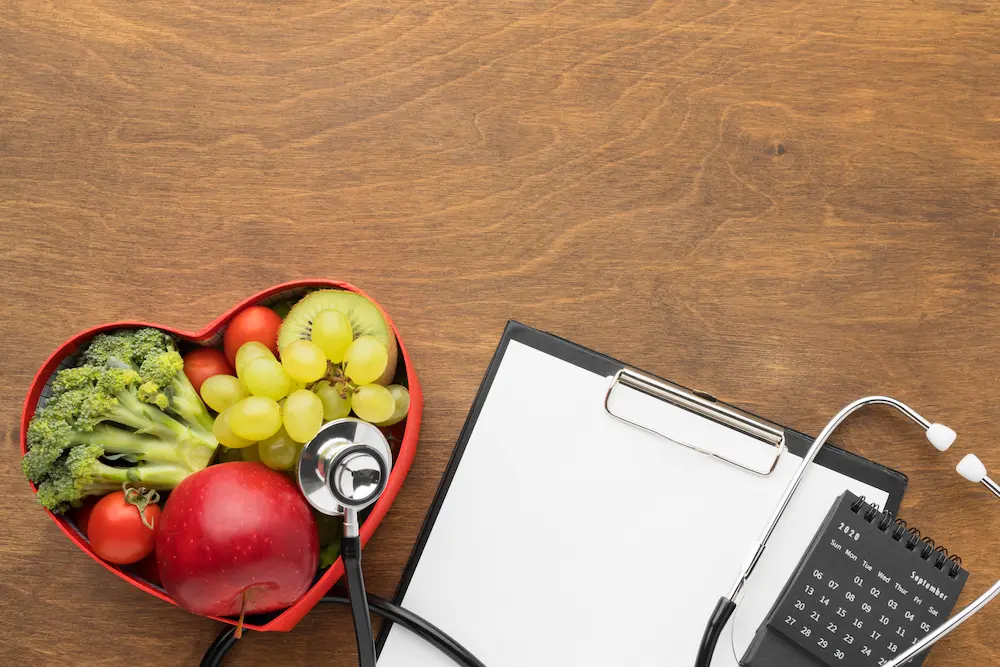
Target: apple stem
<point x="243" y="611"/>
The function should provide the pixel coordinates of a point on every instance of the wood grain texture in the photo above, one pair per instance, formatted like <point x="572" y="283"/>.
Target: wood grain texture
<point x="787" y="204"/>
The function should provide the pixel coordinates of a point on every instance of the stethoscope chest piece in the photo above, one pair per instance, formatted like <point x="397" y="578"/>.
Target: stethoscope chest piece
<point x="345" y="466"/>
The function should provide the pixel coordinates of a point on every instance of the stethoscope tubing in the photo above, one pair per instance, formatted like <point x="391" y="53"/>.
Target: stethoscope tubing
<point x="727" y="605"/>
<point x="800" y="473"/>
<point x="350" y="550"/>
<point x="380" y="606"/>
<point x="945" y="628"/>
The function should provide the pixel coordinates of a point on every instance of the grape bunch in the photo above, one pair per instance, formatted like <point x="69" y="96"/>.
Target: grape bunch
<point x="271" y="408"/>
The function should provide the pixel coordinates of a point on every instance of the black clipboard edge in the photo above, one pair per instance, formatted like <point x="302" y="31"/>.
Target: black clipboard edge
<point x="834" y="458"/>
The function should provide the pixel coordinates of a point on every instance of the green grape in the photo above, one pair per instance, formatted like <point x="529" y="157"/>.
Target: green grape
<point x="373" y="403"/>
<point x="332" y="331"/>
<point x="250" y="454"/>
<point x="365" y="360"/>
<point x="296" y="385"/>
<point x="222" y="429"/>
<point x="267" y="378"/>
<point x="335" y="405"/>
<point x="248" y="352"/>
<point x="255" y="418"/>
<point x="303" y="415"/>
<point x="279" y="452"/>
<point x="221" y="391"/>
<point x="401" y="395"/>
<point x="303" y="361"/>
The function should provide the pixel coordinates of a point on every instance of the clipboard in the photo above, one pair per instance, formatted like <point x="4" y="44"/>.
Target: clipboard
<point x="533" y="591"/>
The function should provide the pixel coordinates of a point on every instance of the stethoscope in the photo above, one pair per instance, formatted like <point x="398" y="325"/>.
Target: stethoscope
<point x="942" y="438"/>
<point x="344" y="470"/>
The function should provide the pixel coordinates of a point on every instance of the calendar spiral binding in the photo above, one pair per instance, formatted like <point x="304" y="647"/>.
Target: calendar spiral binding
<point x="886" y="521"/>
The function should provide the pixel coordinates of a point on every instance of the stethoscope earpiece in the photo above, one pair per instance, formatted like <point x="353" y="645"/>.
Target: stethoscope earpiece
<point x="940" y="436"/>
<point x="972" y="469"/>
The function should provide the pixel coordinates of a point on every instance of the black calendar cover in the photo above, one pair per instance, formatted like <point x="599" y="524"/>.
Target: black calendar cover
<point x="867" y="588"/>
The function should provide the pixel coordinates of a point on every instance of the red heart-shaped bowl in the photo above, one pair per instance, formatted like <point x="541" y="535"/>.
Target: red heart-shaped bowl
<point x="212" y="335"/>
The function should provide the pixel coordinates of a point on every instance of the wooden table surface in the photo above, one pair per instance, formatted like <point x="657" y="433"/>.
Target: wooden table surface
<point x="787" y="204"/>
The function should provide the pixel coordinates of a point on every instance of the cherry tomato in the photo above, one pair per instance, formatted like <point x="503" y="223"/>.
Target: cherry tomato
<point x="255" y="323"/>
<point x="203" y="363"/>
<point x="116" y="530"/>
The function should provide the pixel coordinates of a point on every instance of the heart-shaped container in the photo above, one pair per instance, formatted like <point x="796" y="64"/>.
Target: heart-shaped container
<point x="212" y="336"/>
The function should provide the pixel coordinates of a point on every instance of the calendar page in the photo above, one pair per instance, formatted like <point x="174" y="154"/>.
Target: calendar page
<point x="866" y="589"/>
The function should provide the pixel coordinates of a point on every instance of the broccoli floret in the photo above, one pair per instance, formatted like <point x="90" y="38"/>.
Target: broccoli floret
<point x="154" y="356"/>
<point x="107" y="423"/>
<point x="48" y="438"/>
<point x="88" y="395"/>
<point x="127" y="347"/>
<point x="64" y="486"/>
<point x="167" y="386"/>
<point x="82" y="473"/>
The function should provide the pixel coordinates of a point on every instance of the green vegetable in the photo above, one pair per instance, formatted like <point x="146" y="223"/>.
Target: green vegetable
<point x="127" y="414"/>
<point x="329" y="554"/>
<point x="330" y="530"/>
<point x="154" y="356"/>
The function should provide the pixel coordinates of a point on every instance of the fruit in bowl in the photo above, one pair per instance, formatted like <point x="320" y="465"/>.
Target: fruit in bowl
<point x="365" y="320"/>
<point x="120" y="404"/>
<point x="237" y="537"/>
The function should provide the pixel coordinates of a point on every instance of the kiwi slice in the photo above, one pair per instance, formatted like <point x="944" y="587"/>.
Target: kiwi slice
<point x="365" y="317"/>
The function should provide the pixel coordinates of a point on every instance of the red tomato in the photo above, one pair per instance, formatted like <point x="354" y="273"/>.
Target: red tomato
<point x="255" y="323"/>
<point x="203" y="363"/>
<point x="117" y="533"/>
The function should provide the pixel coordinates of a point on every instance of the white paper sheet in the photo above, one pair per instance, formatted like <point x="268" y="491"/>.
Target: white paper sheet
<point x="569" y="538"/>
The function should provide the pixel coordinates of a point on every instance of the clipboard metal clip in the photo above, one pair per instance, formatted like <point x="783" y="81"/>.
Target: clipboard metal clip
<point x="718" y="413"/>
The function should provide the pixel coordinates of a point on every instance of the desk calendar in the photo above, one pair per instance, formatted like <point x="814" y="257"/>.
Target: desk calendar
<point x="867" y="588"/>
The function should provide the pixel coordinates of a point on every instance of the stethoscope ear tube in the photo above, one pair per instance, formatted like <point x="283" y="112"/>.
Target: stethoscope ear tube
<point x="941" y="437"/>
<point x="723" y="610"/>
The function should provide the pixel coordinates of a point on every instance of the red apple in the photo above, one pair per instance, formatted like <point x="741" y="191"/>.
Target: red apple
<point x="233" y="529"/>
